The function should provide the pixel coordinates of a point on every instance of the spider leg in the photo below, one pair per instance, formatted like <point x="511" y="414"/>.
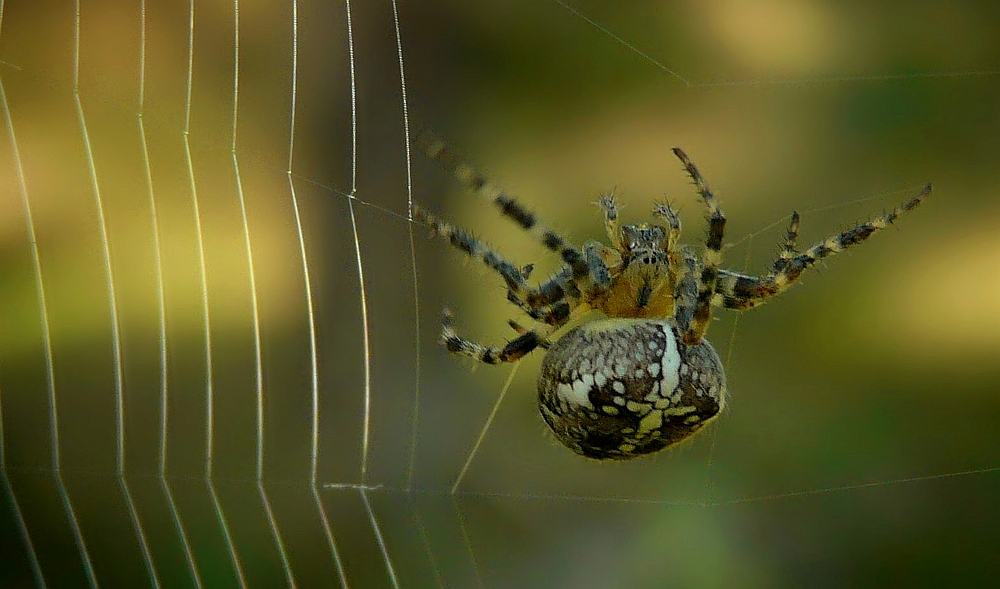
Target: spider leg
<point x="466" y="242"/>
<point x="518" y="291"/>
<point x="542" y="303"/>
<point x="666" y="213"/>
<point x="740" y="291"/>
<point x="554" y="300"/>
<point x="610" y="207"/>
<point x="509" y="207"/>
<point x="597" y="269"/>
<point x="788" y="251"/>
<point x="520" y="329"/>
<point x="711" y="258"/>
<point x="513" y="351"/>
<point x="685" y="289"/>
<point x="554" y="314"/>
<point x="556" y="288"/>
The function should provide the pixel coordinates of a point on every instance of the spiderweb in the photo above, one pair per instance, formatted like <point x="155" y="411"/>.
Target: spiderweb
<point x="218" y="363"/>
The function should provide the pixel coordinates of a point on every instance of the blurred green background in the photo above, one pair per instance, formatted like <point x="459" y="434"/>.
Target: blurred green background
<point x="168" y="159"/>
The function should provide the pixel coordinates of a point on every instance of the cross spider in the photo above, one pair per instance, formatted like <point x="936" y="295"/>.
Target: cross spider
<point x="643" y="378"/>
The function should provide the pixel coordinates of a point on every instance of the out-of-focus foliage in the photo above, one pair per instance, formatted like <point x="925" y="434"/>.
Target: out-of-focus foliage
<point x="860" y="446"/>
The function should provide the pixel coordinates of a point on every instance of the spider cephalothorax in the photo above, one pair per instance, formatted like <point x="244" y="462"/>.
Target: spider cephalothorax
<point x="644" y="377"/>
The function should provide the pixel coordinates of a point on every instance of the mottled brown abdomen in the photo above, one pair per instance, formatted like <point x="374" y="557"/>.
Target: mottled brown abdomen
<point x="621" y="388"/>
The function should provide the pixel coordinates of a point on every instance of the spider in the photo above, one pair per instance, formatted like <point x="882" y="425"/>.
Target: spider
<point x="644" y="377"/>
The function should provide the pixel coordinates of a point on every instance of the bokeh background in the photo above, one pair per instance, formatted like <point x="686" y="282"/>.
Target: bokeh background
<point x="185" y="402"/>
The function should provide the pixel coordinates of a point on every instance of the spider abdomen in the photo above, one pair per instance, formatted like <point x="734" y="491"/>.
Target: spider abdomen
<point x="621" y="388"/>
